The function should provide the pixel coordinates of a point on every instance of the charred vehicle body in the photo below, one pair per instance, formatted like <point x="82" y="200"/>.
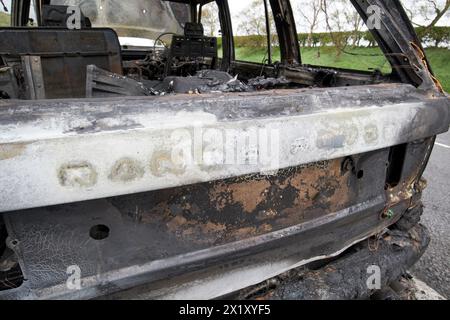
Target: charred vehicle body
<point x="167" y="170"/>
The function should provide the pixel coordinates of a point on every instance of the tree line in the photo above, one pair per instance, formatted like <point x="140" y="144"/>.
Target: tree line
<point x="339" y="23"/>
<point x="433" y="36"/>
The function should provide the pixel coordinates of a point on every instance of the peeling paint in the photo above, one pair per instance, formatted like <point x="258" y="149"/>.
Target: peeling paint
<point x="371" y="133"/>
<point x="247" y="197"/>
<point x="161" y="164"/>
<point x="126" y="170"/>
<point x="9" y="151"/>
<point x="77" y="174"/>
<point x="251" y="205"/>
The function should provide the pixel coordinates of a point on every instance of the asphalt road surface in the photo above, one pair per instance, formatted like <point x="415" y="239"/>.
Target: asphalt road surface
<point x="434" y="267"/>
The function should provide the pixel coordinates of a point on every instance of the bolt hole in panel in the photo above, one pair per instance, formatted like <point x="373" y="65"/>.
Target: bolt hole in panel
<point x="99" y="232"/>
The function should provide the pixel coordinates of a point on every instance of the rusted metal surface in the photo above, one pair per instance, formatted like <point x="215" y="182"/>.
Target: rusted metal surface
<point x="410" y="183"/>
<point x="239" y="208"/>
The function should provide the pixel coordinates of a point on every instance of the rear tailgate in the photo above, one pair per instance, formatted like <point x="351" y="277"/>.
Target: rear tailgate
<point x="205" y="195"/>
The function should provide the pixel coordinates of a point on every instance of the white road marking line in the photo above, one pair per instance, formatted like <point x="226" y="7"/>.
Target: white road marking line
<point x="442" y="145"/>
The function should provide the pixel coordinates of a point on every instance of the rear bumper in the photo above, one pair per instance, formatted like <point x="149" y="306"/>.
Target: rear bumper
<point x="347" y="277"/>
<point x="131" y="263"/>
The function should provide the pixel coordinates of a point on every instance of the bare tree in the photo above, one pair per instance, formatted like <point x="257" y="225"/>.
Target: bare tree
<point x="439" y="10"/>
<point x="253" y="19"/>
<point x="310" y="11"/>
<point x="210" y="19"/>
<point x="335" y="24"/>
<point x="354" y="21"/>
<point x="431" y="11"/>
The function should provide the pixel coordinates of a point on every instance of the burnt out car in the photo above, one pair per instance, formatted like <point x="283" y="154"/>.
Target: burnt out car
<point x="139" y="158"/>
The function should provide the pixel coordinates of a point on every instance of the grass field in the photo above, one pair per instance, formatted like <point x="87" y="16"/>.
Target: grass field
<point x="360" y="59"/>
<point x="440" y="63"/>
<point x="5" y="19"/>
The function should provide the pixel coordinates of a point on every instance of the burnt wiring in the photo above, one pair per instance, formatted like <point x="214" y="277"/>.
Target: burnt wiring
<point x="10" y="273"/>
<point x="423" y="58"/>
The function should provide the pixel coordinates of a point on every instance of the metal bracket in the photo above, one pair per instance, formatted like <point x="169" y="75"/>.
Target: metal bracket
<point x="34" y="78"/>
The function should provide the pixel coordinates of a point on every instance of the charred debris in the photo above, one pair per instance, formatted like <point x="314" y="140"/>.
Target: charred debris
<point x="102" y="83"/>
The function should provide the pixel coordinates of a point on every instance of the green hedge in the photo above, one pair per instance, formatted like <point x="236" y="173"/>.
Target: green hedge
<point x="435" y="35"/>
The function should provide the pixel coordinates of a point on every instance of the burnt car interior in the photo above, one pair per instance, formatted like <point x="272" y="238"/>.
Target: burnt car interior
<point x="50" y="61"/>
<point x="85" y="176"/>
